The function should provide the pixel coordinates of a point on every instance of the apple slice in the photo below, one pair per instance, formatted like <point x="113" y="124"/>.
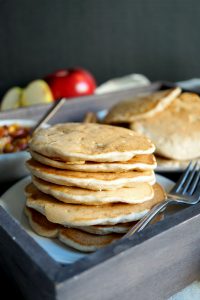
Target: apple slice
<point x="11" y="99"/>
<point x="37" y="92"/>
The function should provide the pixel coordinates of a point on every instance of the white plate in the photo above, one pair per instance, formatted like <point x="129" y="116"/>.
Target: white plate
<point x="13" y="201"/>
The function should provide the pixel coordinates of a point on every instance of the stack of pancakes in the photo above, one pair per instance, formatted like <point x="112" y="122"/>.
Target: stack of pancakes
<point x="169" y="118"/>
<point x="90" y="183"/>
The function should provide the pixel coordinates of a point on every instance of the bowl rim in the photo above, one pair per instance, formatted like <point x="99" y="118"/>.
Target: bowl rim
<point x="13" y="154"/>
<point x="29" y="123"/>
<point x="20" y="121"/>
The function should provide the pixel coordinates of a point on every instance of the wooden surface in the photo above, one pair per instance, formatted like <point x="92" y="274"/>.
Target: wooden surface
<point x="151" y="265"/>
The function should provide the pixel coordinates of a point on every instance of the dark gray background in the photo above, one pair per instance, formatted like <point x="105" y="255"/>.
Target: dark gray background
<point x="159" y="38"/>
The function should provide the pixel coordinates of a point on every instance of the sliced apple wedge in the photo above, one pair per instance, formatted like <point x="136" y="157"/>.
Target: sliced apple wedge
<point x="12" y="98"/>
<point x="36" y="92"/>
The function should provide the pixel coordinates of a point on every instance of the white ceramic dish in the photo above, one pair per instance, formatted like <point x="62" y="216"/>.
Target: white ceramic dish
<point x="12" y="165"/>
<point x="13" y="202"/>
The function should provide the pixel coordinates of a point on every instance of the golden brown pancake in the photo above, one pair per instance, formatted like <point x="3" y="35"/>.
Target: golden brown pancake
<point x="40" y="224"/>
<point x="85" y="215"/>
<point x="93" y="181"/>
<point x="141" y="107"/>
<point x="90" y="142"/>
<point x="117" y="228"/>
<point x="176" y="130"/>
<point x="140" y="192"/>
<point x="138" y="162"/>
<point x="84" y="241"/>
<point x="72" y="237"/>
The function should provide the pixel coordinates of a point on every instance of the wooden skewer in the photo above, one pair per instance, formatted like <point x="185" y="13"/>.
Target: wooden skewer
<point x="90" y="117"/>
<point x="49" y="114"/>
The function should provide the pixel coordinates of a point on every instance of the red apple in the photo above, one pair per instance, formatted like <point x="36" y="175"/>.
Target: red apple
<point x="71" y="83"/>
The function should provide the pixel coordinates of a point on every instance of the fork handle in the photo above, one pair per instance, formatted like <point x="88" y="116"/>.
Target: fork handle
<point x="148" y="217"/>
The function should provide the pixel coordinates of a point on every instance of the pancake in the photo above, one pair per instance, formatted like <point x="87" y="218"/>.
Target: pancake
<point x="117" y="228"/>
<point x="72" y="237"/>
<point x="93" y="181"/>
<point x="85" y="242"/>
<point x="43" y="227"/>
<point x="140" y="192"/>
<point x="138" y="162"/>
<point x="89" y="142"/>
<point x="141" y="107"/>
<point x="40" y="224"/>
<point x="176" y="130"/>
<point x="107" y="229"/>
<point x="85" y="215"/>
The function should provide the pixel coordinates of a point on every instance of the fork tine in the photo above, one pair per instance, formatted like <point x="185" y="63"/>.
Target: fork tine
<point x="196" y="191"/>
<point x="182" y="179"/>
<point x="195" y="183"/>
<point x="190" y="177"/>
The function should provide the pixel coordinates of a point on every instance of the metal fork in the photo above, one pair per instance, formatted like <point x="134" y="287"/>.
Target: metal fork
<point x="185" y="191"/>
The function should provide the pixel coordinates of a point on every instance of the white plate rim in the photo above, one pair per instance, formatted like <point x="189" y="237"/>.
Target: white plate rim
<point x="23" y="122"/>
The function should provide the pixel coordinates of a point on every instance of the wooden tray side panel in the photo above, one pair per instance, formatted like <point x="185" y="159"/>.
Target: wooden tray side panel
<point x="154" y="269"/>
<point x="32" y="270"/>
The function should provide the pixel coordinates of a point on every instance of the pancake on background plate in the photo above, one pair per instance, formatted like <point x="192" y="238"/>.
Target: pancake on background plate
<point x="141" y="106"/>
<point x="176" y="130"/>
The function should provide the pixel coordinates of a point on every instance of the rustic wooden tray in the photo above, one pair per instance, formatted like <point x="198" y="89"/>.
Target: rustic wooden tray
<point x="153" y="264"/>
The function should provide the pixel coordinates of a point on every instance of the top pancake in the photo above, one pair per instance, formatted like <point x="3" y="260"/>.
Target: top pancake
<point x="141" y="107"/>
<point x="176" y="130"/>
<point x="91" y="142"/>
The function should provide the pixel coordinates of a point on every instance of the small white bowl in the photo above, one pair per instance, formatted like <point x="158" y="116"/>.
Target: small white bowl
<point x="12" y="165"/>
